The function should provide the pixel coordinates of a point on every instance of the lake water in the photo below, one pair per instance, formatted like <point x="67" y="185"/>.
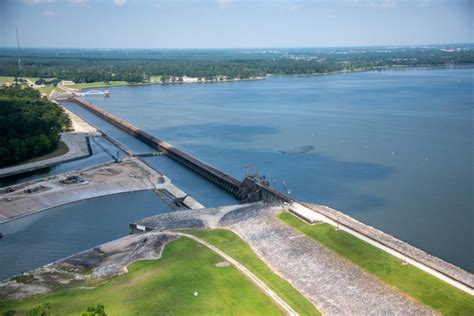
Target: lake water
<point x="393" y="149"/>
<point x="43" y="237"/>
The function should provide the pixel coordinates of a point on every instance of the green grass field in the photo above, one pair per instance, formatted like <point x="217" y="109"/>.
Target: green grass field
<point x="47" y="90"/>
<point x="155" y="78"/>
<point x="164" y="287"/>
<point x="418" y="284"/>
<point x="235" y="247"/>
<point x="6" y="79"/>
<point x="100" y="84"/>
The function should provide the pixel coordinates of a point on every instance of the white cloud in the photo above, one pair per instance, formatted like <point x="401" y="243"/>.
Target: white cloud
<point x="384" y="4"/>
<point x="80" y="3"/>
<point x="48" y="13"/>
<point x="119" y="3"/>
<point x="224" y="3"/>
<point x="33" y="2"/>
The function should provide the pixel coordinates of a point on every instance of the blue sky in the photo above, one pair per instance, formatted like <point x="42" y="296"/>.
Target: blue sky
<point x="234" y="23"/>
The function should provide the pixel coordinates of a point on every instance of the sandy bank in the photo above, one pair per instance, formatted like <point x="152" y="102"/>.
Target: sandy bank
<point x="78" y="124"/>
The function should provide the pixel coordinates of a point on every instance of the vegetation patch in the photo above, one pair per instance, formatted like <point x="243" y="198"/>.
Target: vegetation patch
<point x="184" y="281"/>
<point x="62" y="149"/>
<point x="24" y="278"/>
<point x="29" y="125"/>
<point x="235" y="247"/>
<point x="418" y="284"/>
<point x="6" y="80"/>
<point x="148" y="65"/>
<point x="98" y="84"/>
<point x="47" y="90"/>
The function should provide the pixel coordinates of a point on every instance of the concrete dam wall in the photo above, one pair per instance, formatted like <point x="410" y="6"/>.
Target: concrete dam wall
<point x="250" y="190"/>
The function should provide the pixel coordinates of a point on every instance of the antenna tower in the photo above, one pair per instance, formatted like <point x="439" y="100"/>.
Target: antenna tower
<point x="18" y="54"/>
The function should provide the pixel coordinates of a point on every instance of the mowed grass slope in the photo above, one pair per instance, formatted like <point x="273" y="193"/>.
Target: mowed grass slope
<point x="99" y="84"/>
<point x="232" y="245"/>
<point x="165" y="287"/>
<point x="6" y="79"/>
<point x="418" y="284"/>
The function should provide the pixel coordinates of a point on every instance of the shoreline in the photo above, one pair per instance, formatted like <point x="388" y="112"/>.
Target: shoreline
<point x="377" y="69"/>
<point x="153" y="178"/>
<point x="267" y="76"/>
<point x="100" y="180"/>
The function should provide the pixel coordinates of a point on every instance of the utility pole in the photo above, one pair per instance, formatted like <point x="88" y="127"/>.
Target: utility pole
<point x="18" y="55"/>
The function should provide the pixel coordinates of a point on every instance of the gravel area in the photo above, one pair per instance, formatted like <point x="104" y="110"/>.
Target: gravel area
<point x="335" y="285"/>
<point x="332" y="283"/>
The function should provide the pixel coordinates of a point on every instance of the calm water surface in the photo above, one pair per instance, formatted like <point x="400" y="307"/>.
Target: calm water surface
<point x="41" y="238"/>
<point x="393" y="149"/>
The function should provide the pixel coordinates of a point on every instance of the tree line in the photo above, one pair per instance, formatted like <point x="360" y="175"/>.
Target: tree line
<point x="29" y="124"/>
<point x="139" y="66"/>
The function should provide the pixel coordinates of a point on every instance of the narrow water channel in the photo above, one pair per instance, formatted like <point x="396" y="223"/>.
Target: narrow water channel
<point x="101" y="149"/>
<point x="32" y="241"/>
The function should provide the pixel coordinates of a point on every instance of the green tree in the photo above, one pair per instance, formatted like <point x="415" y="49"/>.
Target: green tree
<point x="98" y="310"/>
<point x="41" y="310"/>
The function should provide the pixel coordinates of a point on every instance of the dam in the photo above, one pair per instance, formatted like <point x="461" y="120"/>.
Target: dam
<point x="250" y="190"/>
<point x="253" y="189"/>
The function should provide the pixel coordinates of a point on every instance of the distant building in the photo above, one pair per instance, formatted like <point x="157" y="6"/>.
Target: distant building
<point x="67" y="82"/>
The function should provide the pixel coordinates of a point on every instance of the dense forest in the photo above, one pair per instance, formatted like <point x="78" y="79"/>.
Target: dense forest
<point x="29" y="125"/>
<point x="83" y="66"/>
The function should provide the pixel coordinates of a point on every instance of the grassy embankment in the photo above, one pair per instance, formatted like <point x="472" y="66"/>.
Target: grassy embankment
<point x="100" y="84"/>
<point x="165" y="286"/>
<point x="232" y="245"/>
<point x="47" y="90"/>
<point x="418" y="284"/>
<point x="6" y="79"/>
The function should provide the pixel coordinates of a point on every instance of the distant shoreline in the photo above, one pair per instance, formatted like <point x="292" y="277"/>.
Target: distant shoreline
<point x="383" y="68"/>
<point x="190" y="80"/>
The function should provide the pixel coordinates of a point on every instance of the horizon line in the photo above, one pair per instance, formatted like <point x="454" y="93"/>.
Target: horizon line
<point x="240" y="48"/>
